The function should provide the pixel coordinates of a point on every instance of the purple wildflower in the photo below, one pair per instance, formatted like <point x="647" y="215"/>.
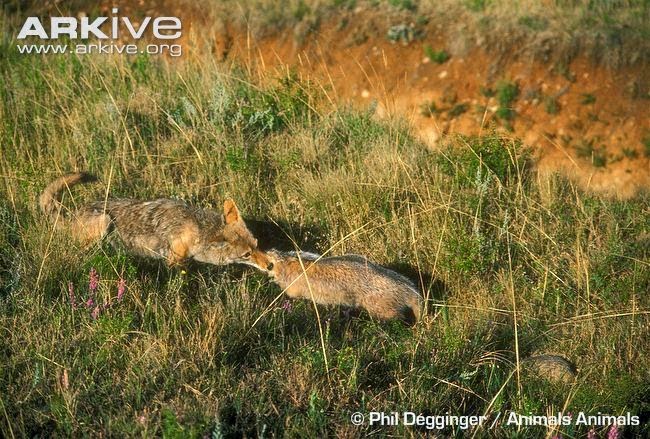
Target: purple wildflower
<point x="90" y="302"/>
<point x="287" y="306"/>
<point x="121" y="287"/>
<point x="614" y="432"/>
<point x="93" y="281"/>
<point x="591" y="434"/>
<point x="71" y="295"/>
<point x="95" y="313"/>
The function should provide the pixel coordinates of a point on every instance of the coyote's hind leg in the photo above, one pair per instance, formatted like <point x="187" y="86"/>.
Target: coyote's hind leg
<point x="91" y="227"/>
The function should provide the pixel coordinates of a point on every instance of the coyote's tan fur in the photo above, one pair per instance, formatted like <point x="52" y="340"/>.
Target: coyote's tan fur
<point x="162" y="228"/>
<point x="349" y="280"/>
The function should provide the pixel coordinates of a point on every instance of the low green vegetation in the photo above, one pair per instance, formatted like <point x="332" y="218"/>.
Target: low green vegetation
<point x="551" y="105"/>
<point x="458" y="109"/>
<point x="409" y="5"/>
<point x="597" y="155"/>
<point x="646" y="146"/>
<point x="630" y="153"/>
<point x="510" y="264"/>
<point x="615" y="34"/>
<point x="506" y="94"/>
<point x="588" y="99"/>
<point x="436" y="56"/>
<point x="428" y="109"/>
<point x="404" y="33"/>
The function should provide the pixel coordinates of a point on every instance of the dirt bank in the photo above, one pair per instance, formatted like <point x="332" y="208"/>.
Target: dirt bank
<point x="584" y="120"/>
<point x="587" y="122"/>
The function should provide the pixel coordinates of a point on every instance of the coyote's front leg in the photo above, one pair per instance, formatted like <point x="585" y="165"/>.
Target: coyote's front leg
<point x="178" y="253"/>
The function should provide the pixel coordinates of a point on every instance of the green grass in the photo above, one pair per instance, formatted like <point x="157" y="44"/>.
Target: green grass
<point x="436" y="56"/>
<point x="458" y="109"/>
<point x="597" y="155"/>
<point x="511" y="264"/>
<point x="506" y="93"/>
<point x="551" y="105"/>
<point x="409" y="5"/>
<point x="428" y="109"/>
<point x="588" y="99"/>
<point x="646" y="146"/>
<point x="615" y="34"/>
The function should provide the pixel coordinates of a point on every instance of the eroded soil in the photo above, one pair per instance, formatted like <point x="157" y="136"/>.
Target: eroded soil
<point x="582" y="120"/>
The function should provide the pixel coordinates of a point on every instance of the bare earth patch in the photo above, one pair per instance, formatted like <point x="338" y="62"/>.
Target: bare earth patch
<point x="585" y="123"/>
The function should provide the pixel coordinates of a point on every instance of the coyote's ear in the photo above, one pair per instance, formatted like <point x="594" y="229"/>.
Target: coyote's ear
<point x="230" y="211"/>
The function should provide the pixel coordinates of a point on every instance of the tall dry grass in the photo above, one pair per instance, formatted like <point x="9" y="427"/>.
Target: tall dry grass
<point x="510" y="265"/>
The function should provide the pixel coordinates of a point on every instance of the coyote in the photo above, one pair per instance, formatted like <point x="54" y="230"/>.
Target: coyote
<point x="163" y="228"/>
<point x="349" y="280"/>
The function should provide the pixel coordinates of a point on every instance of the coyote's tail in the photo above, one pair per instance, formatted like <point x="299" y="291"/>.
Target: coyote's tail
<point x="50" y="200"/>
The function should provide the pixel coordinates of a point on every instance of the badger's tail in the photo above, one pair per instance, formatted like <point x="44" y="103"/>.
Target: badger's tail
<point x="50" y="200"/>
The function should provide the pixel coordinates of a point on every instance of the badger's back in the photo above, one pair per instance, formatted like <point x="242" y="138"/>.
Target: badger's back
<point x="385" y="293"/>
<point x="388" y="294"/>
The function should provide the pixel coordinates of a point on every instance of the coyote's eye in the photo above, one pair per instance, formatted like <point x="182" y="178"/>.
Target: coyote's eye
<point x="270" y="266"/>
<point x="246" y="255"/>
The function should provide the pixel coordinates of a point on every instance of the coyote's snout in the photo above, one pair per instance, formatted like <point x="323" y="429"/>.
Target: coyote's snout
<point x="350" y="280"/>
<point x="162" y="228"/>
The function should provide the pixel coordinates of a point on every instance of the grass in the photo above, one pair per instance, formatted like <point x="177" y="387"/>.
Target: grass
<point x="646" y="146"/>
<point x="588" y="99"/>
<point x="436" y="56"/>
<point x="408" y="5"/>
<point x="511" y="265"/>
<point x="551" y="105"/>
<point x="404" y="33"/>
<point x="458" y="109"/>
<point x="597" y="155"/>
<point x="615" y="34"/>
<point x="612" y="33"/>
<point x="506" y="94"/>
<point x="428" y="109"/>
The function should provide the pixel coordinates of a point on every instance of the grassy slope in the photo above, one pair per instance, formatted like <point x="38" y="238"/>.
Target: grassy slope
<point x="180" y="354"/>
<point x="614" y="34"/>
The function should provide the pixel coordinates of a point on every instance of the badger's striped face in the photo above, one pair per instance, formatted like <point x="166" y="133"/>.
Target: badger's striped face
<point x="261" y="260"/>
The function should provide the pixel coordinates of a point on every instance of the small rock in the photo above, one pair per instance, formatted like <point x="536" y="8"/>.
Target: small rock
<point x="443" y="74"/>
<point x="552" y="367"/>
